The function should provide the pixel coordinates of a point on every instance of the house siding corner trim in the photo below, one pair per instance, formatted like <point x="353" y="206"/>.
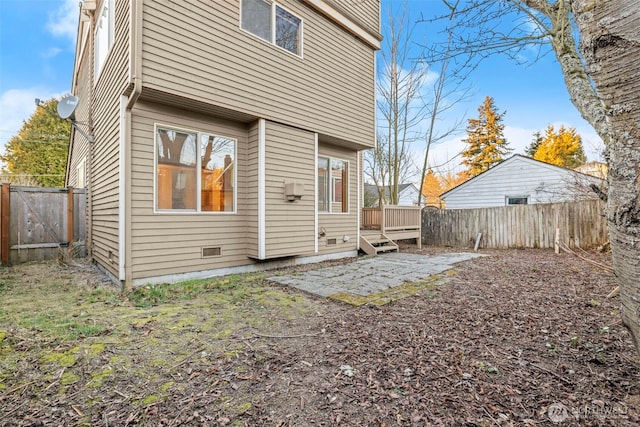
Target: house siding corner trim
<point x="315" y="192"/>
<point x="262" y="201"/>
<point x="122" y="183"/>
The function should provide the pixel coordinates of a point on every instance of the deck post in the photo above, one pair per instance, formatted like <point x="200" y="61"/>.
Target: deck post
<point x="5" y="209"/>
<point x="419" y="239"/>
<point x="382" y="218"/>
<point x="70" y="210"/>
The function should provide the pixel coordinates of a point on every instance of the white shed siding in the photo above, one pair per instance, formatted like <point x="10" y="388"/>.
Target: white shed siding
<point x="515" y="177"/>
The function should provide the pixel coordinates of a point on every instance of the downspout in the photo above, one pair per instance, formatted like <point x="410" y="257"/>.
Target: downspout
<point x="73" y="87"/>
<point x="135" y="52"/>
<point x="125" y="257"/>
<point x="89" y="163"/>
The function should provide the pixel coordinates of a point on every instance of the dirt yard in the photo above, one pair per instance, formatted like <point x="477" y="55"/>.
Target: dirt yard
<point x="522" y="338"/>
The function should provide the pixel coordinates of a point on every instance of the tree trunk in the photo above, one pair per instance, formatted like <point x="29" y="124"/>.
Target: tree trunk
<point x="575" y="75"/>
<point x="610" y="46"/>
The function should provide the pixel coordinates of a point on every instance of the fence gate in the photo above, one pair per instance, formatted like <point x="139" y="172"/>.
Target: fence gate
<point x="41" y="223"/>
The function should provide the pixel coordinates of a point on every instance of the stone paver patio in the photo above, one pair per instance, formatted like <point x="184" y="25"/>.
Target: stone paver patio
<point x="378" y="279"/>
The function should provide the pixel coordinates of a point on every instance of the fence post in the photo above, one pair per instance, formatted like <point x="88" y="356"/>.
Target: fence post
<point x="5" y="215"/>
<point x="70" y="210"/>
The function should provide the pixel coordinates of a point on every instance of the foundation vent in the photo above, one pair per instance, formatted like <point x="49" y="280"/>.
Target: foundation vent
<point x="211" y="251"/>
<point x="332" y="241"/>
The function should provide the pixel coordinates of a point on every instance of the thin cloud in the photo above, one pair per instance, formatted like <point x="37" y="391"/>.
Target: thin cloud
<point x="51" y="53"/>
<point x="64" y="21"/>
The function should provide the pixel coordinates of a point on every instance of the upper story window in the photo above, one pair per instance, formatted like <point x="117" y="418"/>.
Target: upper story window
<point x="103" y="38"/>
<point x="271" y="22"/>
<point x="195" y="171"/>
<point x="333" y="179"/>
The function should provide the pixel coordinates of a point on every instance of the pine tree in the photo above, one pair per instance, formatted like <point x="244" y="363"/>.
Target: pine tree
<point x="431" y="189"/>
<point x="531" y="149"/>
<point x="39" y="151"/>
<point x="562" y="148"/>
<point x="486" y="144"/>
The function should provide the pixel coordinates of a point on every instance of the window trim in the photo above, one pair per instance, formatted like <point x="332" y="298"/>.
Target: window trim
<point x="334" y="180"/>
<point x="110" y="5"/>
<point x="81" y="167"/>
<point x="507" y="198"/>
<point x="331" y="188"/>
<point x="273" y="18"/>
<point x="198" y="210"/>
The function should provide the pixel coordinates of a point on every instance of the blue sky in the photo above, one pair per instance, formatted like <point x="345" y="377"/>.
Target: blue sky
<point x="37" y="43"/>
<point x="533" y="95"/>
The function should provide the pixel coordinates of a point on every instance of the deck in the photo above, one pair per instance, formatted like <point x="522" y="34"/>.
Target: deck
<point x="381" y="226"/>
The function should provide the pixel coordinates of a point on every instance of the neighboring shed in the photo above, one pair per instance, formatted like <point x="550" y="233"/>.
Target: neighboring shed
<point x="521" y="180"/>
<point x="407" y="194"/>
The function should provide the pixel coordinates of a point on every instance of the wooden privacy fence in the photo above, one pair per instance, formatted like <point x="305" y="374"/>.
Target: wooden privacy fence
<point x="580" y="224"/>
<point x="41" y="223"/>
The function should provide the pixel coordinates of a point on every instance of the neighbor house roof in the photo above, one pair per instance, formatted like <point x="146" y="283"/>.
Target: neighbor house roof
<point x="504" y="162"/>
<point x="372" y="188"/>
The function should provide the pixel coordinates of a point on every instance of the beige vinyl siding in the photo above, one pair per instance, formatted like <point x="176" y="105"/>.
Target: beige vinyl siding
<point x="252" y="191"/>
<point x="338" y="225"/>
<point x="289" y="157"/>
<point x="171" y="243"/>
<point x="365" y="12"/>
<point x="201" y="53"/>
<point x="111" y="83"/>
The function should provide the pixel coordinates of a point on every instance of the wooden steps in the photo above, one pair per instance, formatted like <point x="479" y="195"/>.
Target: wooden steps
<point x="374" y="244"/>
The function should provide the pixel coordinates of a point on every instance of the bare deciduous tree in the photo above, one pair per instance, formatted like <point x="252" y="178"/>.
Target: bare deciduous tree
<point x="401" y="77"/>
<point x="448" y="90"/>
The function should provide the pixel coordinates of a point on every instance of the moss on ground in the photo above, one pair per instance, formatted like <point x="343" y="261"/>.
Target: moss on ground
<point x="58" y="335"/>
<point x="391" y="294"/>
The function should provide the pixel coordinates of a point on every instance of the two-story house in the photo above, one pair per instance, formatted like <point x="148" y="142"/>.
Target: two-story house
<point x="225" y="132"/>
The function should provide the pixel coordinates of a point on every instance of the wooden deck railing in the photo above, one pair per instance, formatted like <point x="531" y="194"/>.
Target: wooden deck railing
<point x="395" y="222"/>
<point x="395" y="218"/>
<point x="391" y="218"/>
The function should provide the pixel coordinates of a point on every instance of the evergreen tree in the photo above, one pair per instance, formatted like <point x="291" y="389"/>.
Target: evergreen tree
<point x="531" y="149"/>
<point x="39" y="150"/>
<point x="562" y="148"/>
<point x="486" y="144"/>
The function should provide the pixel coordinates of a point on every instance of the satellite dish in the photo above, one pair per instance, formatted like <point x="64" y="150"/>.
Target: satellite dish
<point x="67" y="107"/>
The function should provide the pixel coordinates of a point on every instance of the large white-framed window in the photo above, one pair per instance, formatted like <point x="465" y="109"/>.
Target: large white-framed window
<point x="271" y="22"/>
<point x="104" y="34"/>
<point x="194" y="171"/>
<point x="333" y="184"/>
